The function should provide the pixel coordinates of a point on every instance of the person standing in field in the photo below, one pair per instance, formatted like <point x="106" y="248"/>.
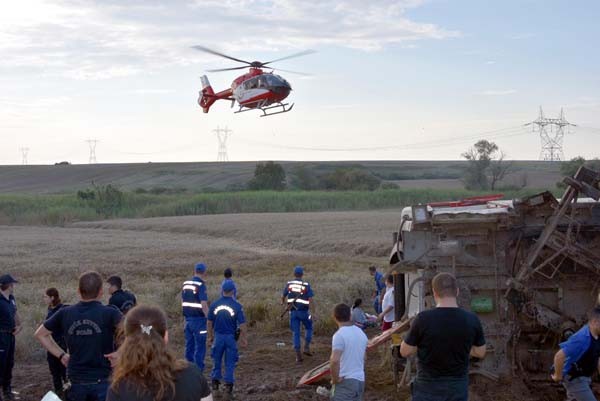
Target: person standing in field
<point x="57" y="369"/>
<point x="10" y="326"/>
<point x="228" y="275"/>
<point x="387" y="314"/>
<point x="194" y="304"/>
<point x="298" y="295"/>
<point x="119" y="298"/>
<point x="379" y="289"/>
<point x="444" y="338"/>
<point x="347" y="362"/>
<point x="225" y="315"/>
<point x="146" y="370"/>
<point x="89" y="329"/>
<point x="577" y="360"/>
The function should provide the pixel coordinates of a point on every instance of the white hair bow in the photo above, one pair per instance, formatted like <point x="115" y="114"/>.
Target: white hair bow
<point x="146" y="329"/>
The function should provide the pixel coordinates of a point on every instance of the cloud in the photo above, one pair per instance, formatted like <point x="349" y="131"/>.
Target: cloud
<point x="87" y="39"/>
<point x="498" y="92"/>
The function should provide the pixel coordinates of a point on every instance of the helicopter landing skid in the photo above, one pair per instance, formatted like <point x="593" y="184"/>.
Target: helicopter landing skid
<point x="285" y="107"/>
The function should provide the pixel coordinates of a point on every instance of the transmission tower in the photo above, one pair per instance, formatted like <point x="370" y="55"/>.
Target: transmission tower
<point x="24" y="152"/>
<point x="552" y="133"/>
<point x="92" y="143"/>
<point x="222" y="135"/>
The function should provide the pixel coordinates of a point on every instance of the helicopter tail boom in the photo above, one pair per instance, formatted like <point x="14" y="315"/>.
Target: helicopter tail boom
<point x="207" y="95"/>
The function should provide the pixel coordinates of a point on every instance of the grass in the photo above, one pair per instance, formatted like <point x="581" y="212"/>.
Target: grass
<point x="60" y="210"/>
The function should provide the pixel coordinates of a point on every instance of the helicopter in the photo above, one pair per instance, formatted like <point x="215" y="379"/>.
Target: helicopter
<point x="255" y="90"/>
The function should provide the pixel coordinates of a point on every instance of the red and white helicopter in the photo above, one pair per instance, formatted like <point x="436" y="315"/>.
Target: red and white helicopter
<point x="257" y="89"/>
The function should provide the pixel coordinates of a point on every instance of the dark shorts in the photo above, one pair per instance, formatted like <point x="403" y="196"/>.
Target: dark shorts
<point x="440" y="390"/>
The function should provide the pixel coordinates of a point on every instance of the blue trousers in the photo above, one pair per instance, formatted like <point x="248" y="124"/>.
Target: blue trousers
<point x="440" y="389"/>
<point x="377" y="304"/>
<point x="224" y="345"/>
<point x="7" y="359"/>
<point x="88" y="391"/>
<point x="303" y="318"/>
<point x="195" y="341"/>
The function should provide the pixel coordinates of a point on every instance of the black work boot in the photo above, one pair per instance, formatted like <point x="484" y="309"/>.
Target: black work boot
<point x="215" y="385"/>
<point x="298" y="356"/>
<point x="229" y="390"/>
<point x="307" y="349"/>
<point x="7" y="394"/>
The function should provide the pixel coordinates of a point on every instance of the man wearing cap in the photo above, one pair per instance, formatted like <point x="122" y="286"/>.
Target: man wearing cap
<point x="194" y="303"/>
<point x="299" y="295"/>
<point x="228" y="274"/>
<point x="10" y="325"/>
<point x="119" y="298"/>
<point x="224" y="316"/>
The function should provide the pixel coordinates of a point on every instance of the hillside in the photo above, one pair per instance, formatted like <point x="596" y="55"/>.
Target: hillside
<point x="196" y="177"/>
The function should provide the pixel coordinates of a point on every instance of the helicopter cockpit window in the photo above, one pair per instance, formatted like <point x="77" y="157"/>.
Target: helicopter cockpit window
<point x="251" y="83"/>
<point x="273" y="80"/>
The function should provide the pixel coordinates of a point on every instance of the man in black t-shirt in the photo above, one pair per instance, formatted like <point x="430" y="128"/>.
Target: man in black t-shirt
<point x="443" y="338"/>
<point x="89" y="329"/>
<point x="119" y="298"/>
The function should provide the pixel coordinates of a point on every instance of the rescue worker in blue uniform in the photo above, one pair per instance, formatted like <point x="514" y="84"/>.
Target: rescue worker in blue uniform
<point x="224" y="317"/>
<point x="228" y="275"/>
<point x="119" y="298"/>
<point x="10" y="326"/>
<point x="379" y="289"/>
<point x="298" y="295"/>
<point x="194" y="303"/>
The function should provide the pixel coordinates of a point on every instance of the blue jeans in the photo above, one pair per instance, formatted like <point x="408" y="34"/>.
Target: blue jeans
<point x="579" y="388"/>
<point x="377" y="304"/>
<point x="224" y="344"/>
<point x="195" y="341"/>
<point x="88" y="391"/>
<point x="303" y="318"/>
<point x="440" y="389"/>
<point x="348" y="390"/>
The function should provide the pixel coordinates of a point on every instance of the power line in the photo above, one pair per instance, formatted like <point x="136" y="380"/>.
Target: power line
<point x="552" y="133"/>
<point x="24" y="153"/>
<point x="222" y="135"/>
<point x="92" y="144"/>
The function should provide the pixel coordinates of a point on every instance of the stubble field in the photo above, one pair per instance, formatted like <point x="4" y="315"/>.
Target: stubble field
<point x="154" y="256"/>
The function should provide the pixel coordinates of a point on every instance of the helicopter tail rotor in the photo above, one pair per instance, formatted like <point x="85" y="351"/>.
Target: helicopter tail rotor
<point x="207" y="95"/>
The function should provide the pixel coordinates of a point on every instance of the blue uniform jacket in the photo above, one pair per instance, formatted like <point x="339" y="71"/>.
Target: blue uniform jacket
<point x="298" y="292"/>
<point x="575" y="347"/>
<point x="192" y="295"/>
<point x="226" y="314"/>
<point x="379" y="283"/>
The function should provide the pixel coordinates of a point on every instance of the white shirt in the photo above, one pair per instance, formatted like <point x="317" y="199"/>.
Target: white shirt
<point x="352" y="341"/>
<point x="388" y="300"/>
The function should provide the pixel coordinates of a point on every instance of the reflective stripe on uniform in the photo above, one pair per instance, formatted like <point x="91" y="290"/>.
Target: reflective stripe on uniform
<point x="190" y="287"/>
<point x="225" y="308"/>
<point x="299" y="300"/>
<point x="296" y="288"/>
<point x="203" y="331"/>
<point x="190" y="282"/>
<point x="191" y="305"/>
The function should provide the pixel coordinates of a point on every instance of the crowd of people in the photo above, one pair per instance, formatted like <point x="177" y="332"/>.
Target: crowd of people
<point x="120" y="351"/>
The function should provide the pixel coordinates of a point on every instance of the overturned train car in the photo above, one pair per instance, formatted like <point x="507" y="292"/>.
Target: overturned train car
<point x="529" y="268"/>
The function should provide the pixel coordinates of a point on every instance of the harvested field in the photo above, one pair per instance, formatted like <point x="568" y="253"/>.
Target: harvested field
<point x="155" y="255"/>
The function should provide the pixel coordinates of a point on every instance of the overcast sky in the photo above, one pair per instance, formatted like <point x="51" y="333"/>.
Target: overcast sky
<point x="405" y="79"/>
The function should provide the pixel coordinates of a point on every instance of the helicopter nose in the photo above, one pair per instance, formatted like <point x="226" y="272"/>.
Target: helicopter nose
<point x="282" y="91"/>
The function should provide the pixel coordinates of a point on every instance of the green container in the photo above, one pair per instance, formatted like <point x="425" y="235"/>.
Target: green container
<point x="482" y="305"/>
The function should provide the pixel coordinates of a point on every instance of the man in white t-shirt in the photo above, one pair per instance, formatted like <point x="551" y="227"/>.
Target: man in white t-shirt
<point x="347" y="363"/>
<point x="387" y="314"/>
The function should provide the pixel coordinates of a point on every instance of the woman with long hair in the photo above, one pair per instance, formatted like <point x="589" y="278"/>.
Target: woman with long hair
<point x="57" y="369"/>
<point x="146" y="369"/>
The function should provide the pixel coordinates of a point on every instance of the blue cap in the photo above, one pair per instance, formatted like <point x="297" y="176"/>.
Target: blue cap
<point x="298" y="271"/>
<point x="200" y="268"/>
<point x="228" y="286"/>
<point x="7" y="279"/>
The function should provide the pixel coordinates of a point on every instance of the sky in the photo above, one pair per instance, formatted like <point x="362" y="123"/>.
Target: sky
<point x="390" y="80"/>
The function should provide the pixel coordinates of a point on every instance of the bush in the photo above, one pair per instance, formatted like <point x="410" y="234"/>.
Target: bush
<point x="106" y="199"/>
<point x="268" y="175"/>
<point x="350" y="180"/>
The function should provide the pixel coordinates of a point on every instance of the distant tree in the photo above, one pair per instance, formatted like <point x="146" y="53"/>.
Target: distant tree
<point x="304" y="178"/>
<point x="344" y="179"/>
<point x="486" y="166"/>
<point x="568" y="168"/>
<point x="268" y="175"/>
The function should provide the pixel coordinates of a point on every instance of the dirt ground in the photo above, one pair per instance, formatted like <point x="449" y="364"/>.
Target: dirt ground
<point x="154" y="256"/>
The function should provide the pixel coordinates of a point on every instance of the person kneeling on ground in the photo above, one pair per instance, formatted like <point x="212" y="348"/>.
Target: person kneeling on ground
<point x="347" y="363"/>
<point x="146" y="370"/>
<point x="360" y="318"/>
<point x="577" y="360"/>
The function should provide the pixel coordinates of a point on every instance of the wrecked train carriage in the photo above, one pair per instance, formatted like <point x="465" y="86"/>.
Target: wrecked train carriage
<point x="529" y="268"/>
